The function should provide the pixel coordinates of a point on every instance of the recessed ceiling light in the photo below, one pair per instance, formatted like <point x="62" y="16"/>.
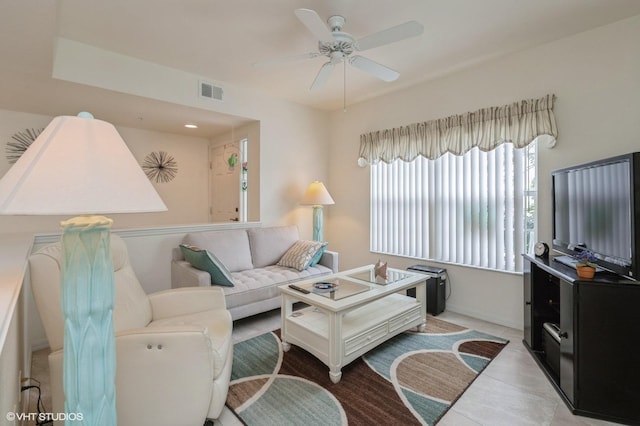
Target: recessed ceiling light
<point x="191" y="126"/>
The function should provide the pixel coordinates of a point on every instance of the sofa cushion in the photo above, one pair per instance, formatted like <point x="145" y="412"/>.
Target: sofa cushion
<point x="205" y="261"/>
<point x="231" y="247"/>
<point x="268" y="245"/>
<point x="300" y="254"/>
<point x="256" y="285"/>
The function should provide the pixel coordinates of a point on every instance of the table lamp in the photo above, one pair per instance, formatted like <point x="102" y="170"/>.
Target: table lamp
<point x="81" y="165"/>
<point x="317" y="195"/>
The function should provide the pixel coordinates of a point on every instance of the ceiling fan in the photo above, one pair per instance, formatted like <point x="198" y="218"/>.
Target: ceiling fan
<point x="338" y="46"/>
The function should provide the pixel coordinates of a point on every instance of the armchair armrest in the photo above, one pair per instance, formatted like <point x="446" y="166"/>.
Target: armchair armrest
<point x="185" y="275"/>
<point x="143" y="374"/>
<point x="185" y="301"/>
<point x="330" y="260"/>
<point x="149" y="366"/>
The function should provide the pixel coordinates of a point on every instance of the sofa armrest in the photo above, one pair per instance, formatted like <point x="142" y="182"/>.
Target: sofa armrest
<point x="330" y="260"/>
<point x="185" y="275"/>
<point x="185" y="301"/>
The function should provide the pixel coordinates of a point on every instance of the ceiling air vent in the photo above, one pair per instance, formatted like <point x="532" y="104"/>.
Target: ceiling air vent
<point x="210" y="91"/>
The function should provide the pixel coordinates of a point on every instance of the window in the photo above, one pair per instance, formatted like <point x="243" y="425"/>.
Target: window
<point x="467" y="209"/>
<point x="530" y="196"/>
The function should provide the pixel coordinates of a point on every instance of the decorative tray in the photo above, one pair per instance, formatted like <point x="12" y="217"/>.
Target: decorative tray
<point x="325" y="286"/>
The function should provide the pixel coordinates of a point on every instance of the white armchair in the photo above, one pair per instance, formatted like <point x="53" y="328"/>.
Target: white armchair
<point x="173" y="347"/>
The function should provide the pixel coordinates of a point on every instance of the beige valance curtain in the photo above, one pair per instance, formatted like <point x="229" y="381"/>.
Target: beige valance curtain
<point x="519" y="123"/>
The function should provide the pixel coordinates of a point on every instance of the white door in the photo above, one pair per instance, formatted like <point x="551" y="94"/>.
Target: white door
<point x="225" y="183"/>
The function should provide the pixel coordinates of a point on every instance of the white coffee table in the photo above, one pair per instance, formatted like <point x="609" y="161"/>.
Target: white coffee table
<point x="362" y="311"/>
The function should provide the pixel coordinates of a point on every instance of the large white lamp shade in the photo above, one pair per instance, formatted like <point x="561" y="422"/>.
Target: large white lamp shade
<point x="77" y="165"/>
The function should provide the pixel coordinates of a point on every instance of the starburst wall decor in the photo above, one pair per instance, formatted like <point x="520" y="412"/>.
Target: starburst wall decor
<point x="21" y="141"/>
<point x="160" y="167"/>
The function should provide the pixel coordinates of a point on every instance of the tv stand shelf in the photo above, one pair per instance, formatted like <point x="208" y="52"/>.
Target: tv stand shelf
<point x="590" y="346"/>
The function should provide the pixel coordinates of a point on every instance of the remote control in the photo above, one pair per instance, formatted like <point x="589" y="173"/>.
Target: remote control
<point x="300" y="289"/>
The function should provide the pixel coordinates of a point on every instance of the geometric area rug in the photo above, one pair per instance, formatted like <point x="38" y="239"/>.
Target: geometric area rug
<point x="413" y="378"/>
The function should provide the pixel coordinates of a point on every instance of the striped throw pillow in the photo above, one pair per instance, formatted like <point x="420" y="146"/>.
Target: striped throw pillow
<point x="300" y="254"/>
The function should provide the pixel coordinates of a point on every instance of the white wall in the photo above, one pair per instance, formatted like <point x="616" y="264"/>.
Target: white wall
<point x="12" y="367"/>
<point x="294" y="139"/>
<point x="250" y="131"/>
<point x="15" y="355"/>
<point x="187" y="195"/>
<point x="595" y="76"/>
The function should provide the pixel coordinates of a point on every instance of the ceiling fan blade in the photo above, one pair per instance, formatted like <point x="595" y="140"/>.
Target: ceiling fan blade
<point x="390" y="35"/>
<point x="374" y="68"/>
<point x="315" y="24"/>
<point x="323" y="76"/>
<point x="275" y="61"/>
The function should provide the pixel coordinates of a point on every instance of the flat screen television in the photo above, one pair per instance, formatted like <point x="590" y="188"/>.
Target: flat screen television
<point x="596" y="206"/>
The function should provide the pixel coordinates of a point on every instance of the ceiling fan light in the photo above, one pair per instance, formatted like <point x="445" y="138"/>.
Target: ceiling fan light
<point x="337" y="57"/>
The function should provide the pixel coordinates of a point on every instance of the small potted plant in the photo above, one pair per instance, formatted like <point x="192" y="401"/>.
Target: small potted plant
<point x="585" y="266"/>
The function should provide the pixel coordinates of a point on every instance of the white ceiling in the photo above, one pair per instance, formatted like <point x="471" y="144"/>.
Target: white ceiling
<point x="220" y="40"/>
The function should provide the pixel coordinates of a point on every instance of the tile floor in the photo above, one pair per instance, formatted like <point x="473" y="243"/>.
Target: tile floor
<point x="512" y="391"/>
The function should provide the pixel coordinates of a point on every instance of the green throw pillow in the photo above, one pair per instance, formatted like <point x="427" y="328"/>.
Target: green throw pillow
<point x="205" y="261"/>
<point x="316" y="258"/>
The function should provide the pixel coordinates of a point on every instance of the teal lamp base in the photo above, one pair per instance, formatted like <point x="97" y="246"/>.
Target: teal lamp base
<point x="87" y="305"/>
<point x="317" y="223"/>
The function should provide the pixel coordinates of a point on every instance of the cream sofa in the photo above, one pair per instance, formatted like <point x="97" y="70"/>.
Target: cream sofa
<point x="174" y="348"/>
<point x="251" y="255"/>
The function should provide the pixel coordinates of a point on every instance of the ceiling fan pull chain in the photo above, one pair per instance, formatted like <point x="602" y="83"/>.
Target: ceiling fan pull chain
<point x="344" y="88"/>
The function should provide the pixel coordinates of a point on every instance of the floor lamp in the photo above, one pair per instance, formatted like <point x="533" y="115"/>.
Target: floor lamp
<point x="81" y="166"/>
<point x="317" y="195"/>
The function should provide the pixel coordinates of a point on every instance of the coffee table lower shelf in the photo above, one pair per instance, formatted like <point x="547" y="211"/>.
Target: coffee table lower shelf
<point x="338" y="338"/>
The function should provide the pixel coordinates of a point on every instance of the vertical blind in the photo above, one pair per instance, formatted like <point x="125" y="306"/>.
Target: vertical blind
<point x="452" y="189"/>
<point x="460" y="209"/>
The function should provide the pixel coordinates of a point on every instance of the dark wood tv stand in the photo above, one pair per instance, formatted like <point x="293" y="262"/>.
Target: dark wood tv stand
<point x="592" y="358"/>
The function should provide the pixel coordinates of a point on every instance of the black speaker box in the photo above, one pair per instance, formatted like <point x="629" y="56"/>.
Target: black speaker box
<point x="436" y="287"/>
